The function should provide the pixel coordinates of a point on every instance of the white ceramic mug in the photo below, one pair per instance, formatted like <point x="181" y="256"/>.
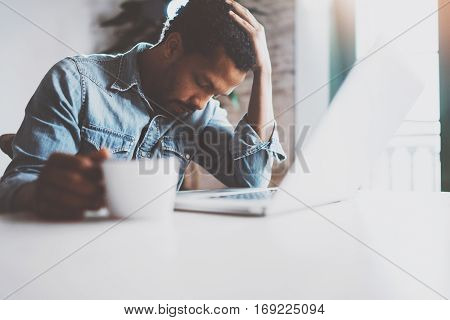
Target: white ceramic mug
<point x="140" y="188"/>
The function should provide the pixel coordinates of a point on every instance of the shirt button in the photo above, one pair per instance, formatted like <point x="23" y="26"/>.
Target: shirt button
<point x="188" y="156"/>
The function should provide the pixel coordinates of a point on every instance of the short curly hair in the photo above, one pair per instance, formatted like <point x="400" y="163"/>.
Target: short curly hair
<point x="205" y="25"/>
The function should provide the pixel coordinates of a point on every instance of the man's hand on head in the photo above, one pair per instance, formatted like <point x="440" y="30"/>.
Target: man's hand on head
<point x="69" y="185"/>
<point x="260" y="110"/>
<point x="257" y="35"/>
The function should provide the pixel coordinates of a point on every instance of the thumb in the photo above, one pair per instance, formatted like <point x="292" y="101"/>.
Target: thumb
<point x="100" y="155"/>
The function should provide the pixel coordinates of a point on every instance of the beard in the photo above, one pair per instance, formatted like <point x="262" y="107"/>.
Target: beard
<point x="179" y="107"/>
<point x="167" y="102"/>
<point x="174" y="108"/>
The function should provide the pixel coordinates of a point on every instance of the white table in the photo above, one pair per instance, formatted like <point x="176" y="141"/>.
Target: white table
<point x="198" y="256"/>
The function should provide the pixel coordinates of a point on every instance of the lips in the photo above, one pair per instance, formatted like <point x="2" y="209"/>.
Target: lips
<point x="184" y="108"/>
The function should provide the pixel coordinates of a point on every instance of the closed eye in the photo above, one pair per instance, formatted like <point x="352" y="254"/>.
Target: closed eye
<point x="201" y="84"/>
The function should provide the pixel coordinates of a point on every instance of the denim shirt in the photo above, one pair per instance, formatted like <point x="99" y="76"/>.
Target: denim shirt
<point x="89" y="102"/>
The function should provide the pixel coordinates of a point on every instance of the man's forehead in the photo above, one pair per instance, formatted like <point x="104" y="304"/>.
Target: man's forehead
<point x="220" y="69"/>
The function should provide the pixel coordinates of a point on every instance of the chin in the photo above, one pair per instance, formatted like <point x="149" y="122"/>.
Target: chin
<point x="175" y="111"/>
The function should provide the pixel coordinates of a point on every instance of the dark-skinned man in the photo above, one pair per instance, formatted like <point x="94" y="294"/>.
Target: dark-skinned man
<point x="152" y="101"/>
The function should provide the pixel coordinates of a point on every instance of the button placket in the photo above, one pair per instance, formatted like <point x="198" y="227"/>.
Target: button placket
<point x="150" y="139"/>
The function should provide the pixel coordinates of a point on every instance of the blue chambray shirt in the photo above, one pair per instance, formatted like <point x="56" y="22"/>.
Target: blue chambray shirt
<point x="88" y="102"/>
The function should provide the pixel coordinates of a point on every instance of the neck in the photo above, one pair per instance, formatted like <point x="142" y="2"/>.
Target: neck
<point x="151" y="71"/>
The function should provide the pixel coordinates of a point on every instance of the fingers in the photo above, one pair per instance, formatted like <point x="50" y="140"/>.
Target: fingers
<point x="243" y="13"/>
<point x="87" y="165"/>
<point x="55" y="203"/>
<point x="84" y="162"/>
<point x="68" y="185"/>
<point x="72" y="181"/>
<point x="247" y="26"/>
<point x="99" y="156"/>
<point x="68" y="161"/>
<point x="60" y="198"/>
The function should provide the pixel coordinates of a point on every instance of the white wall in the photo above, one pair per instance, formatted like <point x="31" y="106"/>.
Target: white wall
<point x="28" y="52"/>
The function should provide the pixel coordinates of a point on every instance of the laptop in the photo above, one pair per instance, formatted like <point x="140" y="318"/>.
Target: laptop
<point x="364" y="114"/>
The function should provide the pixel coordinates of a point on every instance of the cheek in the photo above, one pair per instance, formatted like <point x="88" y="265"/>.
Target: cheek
<point x="181" y="86"/>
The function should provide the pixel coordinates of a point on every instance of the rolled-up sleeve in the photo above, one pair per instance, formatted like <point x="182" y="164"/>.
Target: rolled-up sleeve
<point x="50" y="125"/>
<point x="247" y="142"/>
<point x="238" y="157"/>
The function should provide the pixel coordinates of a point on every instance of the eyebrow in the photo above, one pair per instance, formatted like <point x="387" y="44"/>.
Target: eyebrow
<point x="210" y="83"/>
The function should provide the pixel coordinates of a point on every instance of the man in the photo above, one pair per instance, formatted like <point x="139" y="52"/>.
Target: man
<point x="153" y="101"/>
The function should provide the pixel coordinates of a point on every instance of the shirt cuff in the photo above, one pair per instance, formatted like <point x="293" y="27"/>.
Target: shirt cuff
<point x="247" y="142"/>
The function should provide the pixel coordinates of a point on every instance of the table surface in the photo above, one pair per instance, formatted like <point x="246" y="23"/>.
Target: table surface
<point x="376" y="246"/>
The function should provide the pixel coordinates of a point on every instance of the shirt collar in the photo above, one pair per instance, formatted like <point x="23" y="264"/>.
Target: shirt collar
<point x="128" y="75"/>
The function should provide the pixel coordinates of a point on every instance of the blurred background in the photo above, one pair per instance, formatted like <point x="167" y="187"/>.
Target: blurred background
<point x="312" y="43"/>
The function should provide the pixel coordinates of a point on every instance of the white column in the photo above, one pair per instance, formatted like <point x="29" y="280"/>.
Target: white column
<point x="312" y="61"/>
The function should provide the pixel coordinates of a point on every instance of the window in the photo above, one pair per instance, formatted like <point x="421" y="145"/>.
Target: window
<point x="332" y="34"/>
<point x="411" y="162"/>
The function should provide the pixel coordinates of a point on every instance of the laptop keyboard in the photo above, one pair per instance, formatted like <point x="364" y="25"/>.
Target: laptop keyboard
<point x="259" y="195"/>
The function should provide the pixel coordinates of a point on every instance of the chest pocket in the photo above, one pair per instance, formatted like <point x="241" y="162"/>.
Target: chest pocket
<point x="120" y="145"/>
<point x="172" y="146"/>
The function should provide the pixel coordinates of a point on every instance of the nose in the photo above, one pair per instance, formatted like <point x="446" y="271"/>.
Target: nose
<point x="199" y="103"/>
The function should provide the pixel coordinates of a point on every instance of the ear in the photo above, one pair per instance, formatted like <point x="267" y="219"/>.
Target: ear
<point x="173" y="46"/>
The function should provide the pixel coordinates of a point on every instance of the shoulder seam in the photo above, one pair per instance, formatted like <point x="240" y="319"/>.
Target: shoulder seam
<point x="93" y="80"/>
<point x="83" y="92"/>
